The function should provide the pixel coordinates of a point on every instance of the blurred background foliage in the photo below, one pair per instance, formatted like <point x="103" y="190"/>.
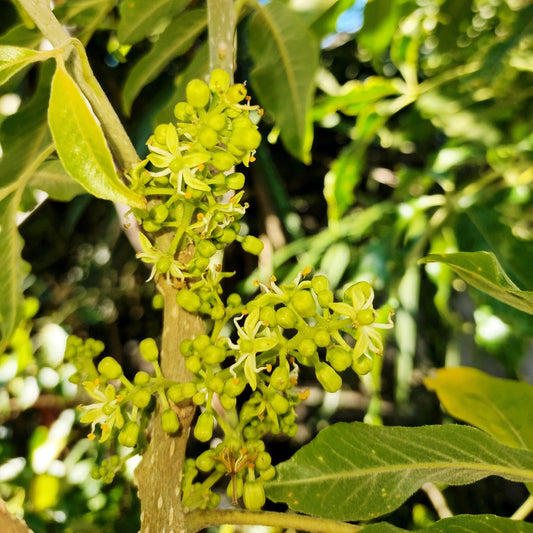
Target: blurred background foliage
<point x="412" y="135"/>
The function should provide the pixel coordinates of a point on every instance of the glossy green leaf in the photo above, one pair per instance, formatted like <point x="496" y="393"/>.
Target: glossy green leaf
<point x="174" y="41"/>
<point x="285" y="56"/>
<point x="486" y="523"/>
<point x="81" y="145"/>
<point x="15" y="58"/>
<point x="377" y="468"/>
<point x="139" y="18"/>
<point x="483" y="271"/>
<point x="501" y="407"/>
<point x="52" y="178"/>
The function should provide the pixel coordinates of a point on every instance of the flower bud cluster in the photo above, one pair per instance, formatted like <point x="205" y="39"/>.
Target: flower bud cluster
<point x="187" y="171"/>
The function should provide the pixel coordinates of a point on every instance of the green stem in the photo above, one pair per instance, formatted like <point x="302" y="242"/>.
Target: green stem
<point x="524" y="510"/>
<point x="200" y="519"/>
<point x="221" y="29"/>
<point x="45" y="20"/>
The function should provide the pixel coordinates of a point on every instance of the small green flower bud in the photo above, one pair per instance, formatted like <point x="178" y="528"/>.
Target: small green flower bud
<point x="267" y="315"/>
<point x="363" y="365"/>
<point x="324" y="298"/>
<point x="247" y="139"/>
<point x="203" y="430"/>
<point x="169" y="421"/>
<point x="159" y="213"/>
<point x="193" y="364"/>
<point x="148" y="349"/>
<point x="163" y="264"/>
<point x="214" y="354"/>
<point x="307" y="347"/>
<point x="320" y="283"/>
<point x="268" y="474"/>
<point x="216" y="384"/>
<point x="218" y="312"/>
<point x="228" y="402"/>
<point x="189" y="300"/>
<point x="201" y="342"/>
<point x="150" y="226"/>
<point x="235" y="180"/>
<point x="365" y="317"/>
<point x="280" y="378"/>
<point x="110" y="368"/>
<point x="186" y="347"/>
<point x="182" y="111"/>
<point x="234" y="300"/>
<point x="233" y="387"/>
<point x="141" y="378"/>
<point x="199" y="398"/>
<point x="206" y="248"/>
<point x="219" y="80"/>
<point x="160" y="134"/>
<point x="236" y="93"/>
<point x="217" y="121"/>
<point x="129" y="434"/>
<point x="339" y="358"/>
<point x="263" y="461"/>
<point x="222" y="160"/>
<point x="228" y="236"/>
<point x="253" y="495"/>
<point x="304" y="304"/>
<point x="141" y="398"/>
<point x="197" y="93"/>
<point x="279" y="403"/>
<point x="252" y="245"/>
<point x="175" y="393"/>
<point x="207" y="137"/>
<point x="328" y="378"/>
<point x="286" y="318"/>
<point x="205" y="462"/>
<point x="322" y="338"/>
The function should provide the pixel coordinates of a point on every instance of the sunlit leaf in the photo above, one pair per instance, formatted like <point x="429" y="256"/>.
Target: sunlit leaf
<point x="174" y="41"/>
<point x="81" y="145"/>
<point x="485" y="523"/>
<point x="285" y="56"/>
<point x="482" y="271"/>
<point x="377" y="468"/>
<point x="139" y="18"/>
<point x="501" y="407"/>
<point x="15" y="58"/>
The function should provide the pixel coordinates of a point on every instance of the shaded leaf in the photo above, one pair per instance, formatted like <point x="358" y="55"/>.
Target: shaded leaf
<point x="482" y="271"/>
<point x="377" y="468"/>
<point x="139" y="18"/>
<point x="174" y="41"/>
<point x="285" y="56"/>
<point x="15" y="58"/>
<point x="501" y="407"/>
<point x="485" y="523"/>
<point x="81" y="145"/>
<point x="13" y="268"/>
<point x="52" y="178"/>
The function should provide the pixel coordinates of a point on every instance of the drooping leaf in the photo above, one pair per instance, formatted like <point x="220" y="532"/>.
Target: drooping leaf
<point x="501" y="407"/>
<point x="139" y="18"/>
<point x="377" y="468"/>
<point x="15" y="58"/>
<point x="285" y="56"/>
<point x="483" y="271"/>
<point x="52" y="178"/>
<point x="174" y="41"/>
<point x="81" y="145"/>
<point x="485" y="523"/>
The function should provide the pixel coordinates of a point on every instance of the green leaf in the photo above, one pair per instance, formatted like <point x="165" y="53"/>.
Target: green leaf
<point x="486" y="523"/>
<point x="139" y="18"/>
<point x="81" y="145"/>
<point x="285" y="54"/>
<point x="13" y="268"/>
<point x="174" y="41"/>
<point x="377" y="468"/>
<point x="52" y="178"/>
<point x="501" y="407"/>
<point x="482" y="271"/>
<point x="15" y="58"/>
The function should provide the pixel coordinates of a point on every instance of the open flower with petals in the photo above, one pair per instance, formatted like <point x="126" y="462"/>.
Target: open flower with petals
<point x="249" y="344"/>
<point x="105" y="411"/>
<point x="358" y="306"/>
